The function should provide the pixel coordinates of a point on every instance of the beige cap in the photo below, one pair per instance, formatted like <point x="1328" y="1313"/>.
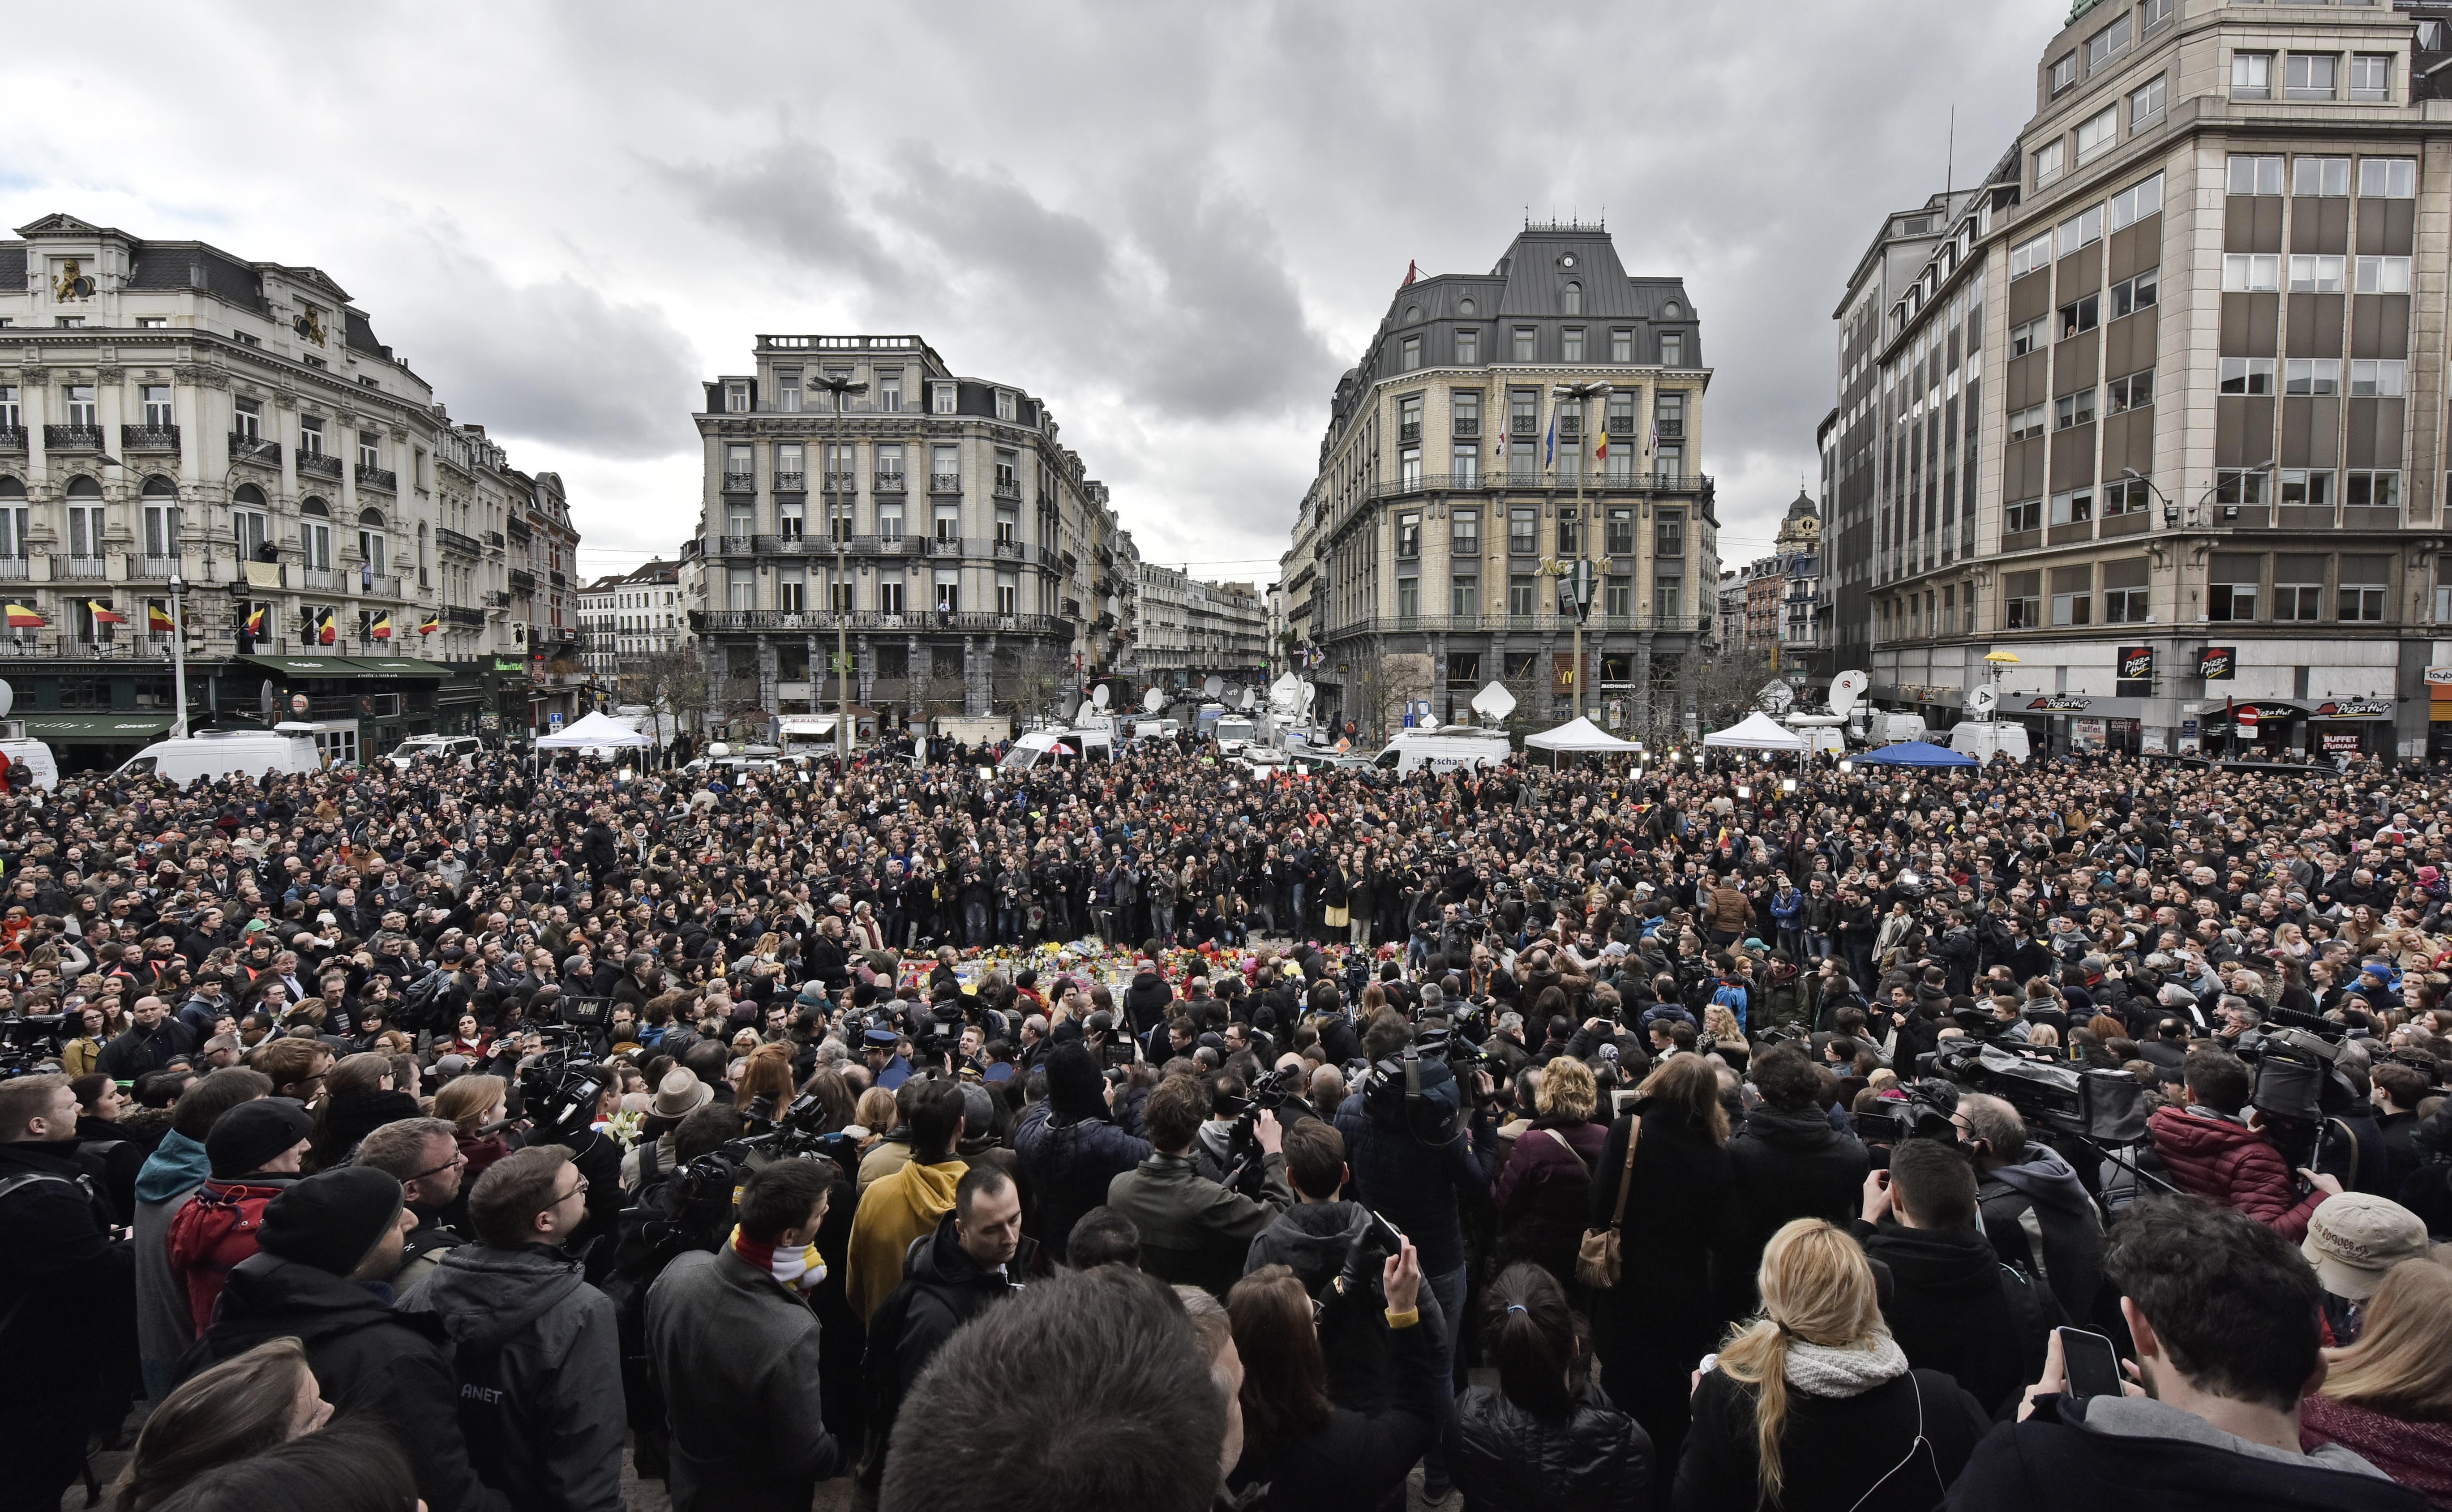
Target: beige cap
<point x="2354" y="1238"/>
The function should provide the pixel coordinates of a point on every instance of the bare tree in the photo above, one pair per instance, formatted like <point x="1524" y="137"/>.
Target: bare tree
<point x="672" y="683"/>
<point x="1727" y="684"/>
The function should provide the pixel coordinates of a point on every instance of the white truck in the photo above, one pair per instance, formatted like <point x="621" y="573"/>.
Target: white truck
<point x="1881" y="727"/>
<point x="1054" y="747"/>
<point x="1450" y="748"/>
<point x="283" y="749"/>
<point x="1986" y="739"/>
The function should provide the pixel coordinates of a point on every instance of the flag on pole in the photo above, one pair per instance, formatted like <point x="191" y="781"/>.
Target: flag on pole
<point x="1413" y="271"/>
<point x="432" y="622"/>
<point x="255" y="621"/>
<point x="381" y="629"/>
<point x="158" y="620"/>
<point x="1550" y="443"/>
<point x="328" y="630"/>
<point x="102" y="613"/>
<point x="1602" y="450"/>
<point x="21" y="617"/>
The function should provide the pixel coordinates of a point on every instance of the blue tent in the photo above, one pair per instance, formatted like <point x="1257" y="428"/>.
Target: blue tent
<point x="1917" y="754"/>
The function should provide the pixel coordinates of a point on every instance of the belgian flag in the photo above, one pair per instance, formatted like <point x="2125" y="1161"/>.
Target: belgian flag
<point x="381" y="629"/>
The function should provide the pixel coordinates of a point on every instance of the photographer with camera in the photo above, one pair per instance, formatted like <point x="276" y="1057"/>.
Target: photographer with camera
<point x="1070" y="1151"/>
<point x="1194" y="1231"/>
<point x="2036" y="1210"/>
<point x="2210" y="1148"/>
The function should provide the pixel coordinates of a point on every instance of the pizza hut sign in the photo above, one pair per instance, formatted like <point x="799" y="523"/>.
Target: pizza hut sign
<point x="2353" y="709"/>
<point x="2136" y="662"/>
<point x="2050" y="703"/>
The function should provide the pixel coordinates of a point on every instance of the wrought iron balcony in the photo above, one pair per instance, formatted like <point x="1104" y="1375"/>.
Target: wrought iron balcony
<point x="450" y="540"/>
<point x="889" y="482"/>
<point x="943" y="546"/>
<point x="1011" y="551"/>
<point x="382" y="477"/>
<point x="1408" y="430"/>
<point x="494" y="539"/>
<point x="944" y="483"/>
<point x="1468" y="425"/>
<point x="522" y="583"/>
<point x="791" y="482"/>
<point x="720" y="622"/>
<point x="148" y="438"/>
<point x="841" y="483"/>
<point x="316" y="465"/>
<point x="1524" y="425"/>
<point x="247" y="448"/>
<point x="739" y="482"/>
<point x="73" y="437"/>
<point x="463" y="615"/>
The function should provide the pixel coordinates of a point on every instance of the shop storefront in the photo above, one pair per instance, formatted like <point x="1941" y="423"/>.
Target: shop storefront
<point x="2249" y="728"/>
<point x="2351" y="727"/>
<point x="2064" y="722"/>
<point x="2439" y="714"/>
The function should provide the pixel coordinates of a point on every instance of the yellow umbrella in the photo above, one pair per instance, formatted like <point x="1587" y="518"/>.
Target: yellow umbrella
<point x="2000" y="656"/>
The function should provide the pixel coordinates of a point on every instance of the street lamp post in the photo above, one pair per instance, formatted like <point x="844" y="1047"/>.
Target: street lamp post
<point x="841" y="385"/>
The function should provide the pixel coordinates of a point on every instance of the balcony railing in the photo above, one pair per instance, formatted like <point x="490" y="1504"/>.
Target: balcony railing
<point x="942" y="546"/>
<point x="247" y="448"/>
<point x="717" y="621"/>
<point x="1401" y="623"/>
<point x="16" y="569"/>
<point x="1524" y="425"/>
<point x="1408" y="430"/>
<point x="321" y="580"/>
<point x="1008" y="488"/>
<point x="889" y="482"/>
<point x="73" y="437"/>
<point x="450" y="540"/>
<point x="791" y="482"/>
<point x="841" y="483"/>
<point x="1468" y="425"/>
<point x="496" y="599"/>
<point x="944" y="483"/>
<point x="1010" y="551"/>
<point x="464" y="617"/>
<point x="376" y="585"/>
<point x="494" y="539"/>
<point x="555" y="577"/>
<point x="78" y="569"/>
<point x="148" y="438"/>
<point x="739" y="482"/>
<point x="153" y="569"/>
<point x="522" y="583"/>
<point x="382" y="477"/>
<point x="316" y="465"/>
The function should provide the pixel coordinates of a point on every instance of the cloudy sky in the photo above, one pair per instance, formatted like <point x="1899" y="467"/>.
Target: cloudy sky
<point x="1176" y="223"/>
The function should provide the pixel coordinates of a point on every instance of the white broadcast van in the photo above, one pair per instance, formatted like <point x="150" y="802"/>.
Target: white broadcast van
<point x="1452" y="747"/>
<point x="285" y="747"/>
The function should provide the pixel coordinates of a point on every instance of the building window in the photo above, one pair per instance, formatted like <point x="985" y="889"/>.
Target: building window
<point x="1619" y="539"/>
<point x="1520" y="597"/>
<point x="2372" y="490"/>
<point x="2022" y="601"/>
<point x="152" y="323"/>
<point x="2031" y="256"/>
<point x="2135" y="391"/>
<point x="1464" y="465"/>
<point x="736" y="398"/>
<point x="2082" y="230"/>
<point x="2388" y="178"/>
<point x="2311" y="274"/>
<point x="2251" y="75"/>
<point x="1621" y="345"/>
<point x="2136" y="201"/>
<point x="2251" y="272"/>
<point x="2240" y="486"/>
<point x="1464" y="535"/>
<point x="2317" y="376"/>
<point x="315" y="536"/>
<point x="2324" y="177"/>
<point x="1570" y="532"/>
<point x="2084" y="315"/>
<point x="2025" y="423"/>
<point x="2027" y="337"/>
<point x="248" y="417"/>
<point x="1464" y="596"/>
<point x="2365" y="581"/>
<point x="1409" y="597"/>
<point x="2073" y="506"/>
<point x="2297" y="588"/>
<point x="2371" y="76"/>
<point x="2047" y="162"/>
<point x="941" y="398"/>
<point x="1523" y="531"/>
<point x="1468" y="347"/>
<point x="2022" y="518"/>
<point x="2072" y="596"/>
<point x="157" y="406"/>
<point x="2146" y="105"/>
<point x="2063" y="71"/>
<point x="2307" y="487"/>
<point x="1575" y="299"/>
<point x="1408" y="536"/>
<point x="1004" y="405"/>
<point x="81" y="410"/>
<point x="1411" y="350"/>
<point x="12" y="416"/>
<point x="2253" y="173"/>
<point x="787" y="390"/>
<point x="2125" y="600"/>
<point x="2097" y="133"/>
<point x="1008" y="525"/>
<point x="2106" y="44"/>
<point x="2382" y="379"/>
<point x="1673" y="348"/>
<point x="2383" y="275"/>
<point x="1669" y="535"/>
<point x="1525" y="343"/>
<point x="2312" y="76"/>
<point x="2073" y="409"/>
<point x="1572" y="345"/>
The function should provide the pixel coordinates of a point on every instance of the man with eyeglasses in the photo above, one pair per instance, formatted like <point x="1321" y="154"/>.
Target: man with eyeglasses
<point x="424" y="1154"/>
<point x="536" y="1349"/>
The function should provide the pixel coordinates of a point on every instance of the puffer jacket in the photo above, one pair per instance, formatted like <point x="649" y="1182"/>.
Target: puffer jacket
<point x="2233" y="1164"/>
<point x="1505" y="1459"/>
<point x="538" y="1358"/>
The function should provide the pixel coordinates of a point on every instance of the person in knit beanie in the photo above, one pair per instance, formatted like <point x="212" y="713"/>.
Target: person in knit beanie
<point x="254" y="1151"/>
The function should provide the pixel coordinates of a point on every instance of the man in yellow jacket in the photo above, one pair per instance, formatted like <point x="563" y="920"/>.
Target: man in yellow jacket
<point x="906" y="1203"/>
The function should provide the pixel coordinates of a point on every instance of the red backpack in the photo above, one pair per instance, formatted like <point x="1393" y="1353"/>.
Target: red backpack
<point x="211" y="1233"/>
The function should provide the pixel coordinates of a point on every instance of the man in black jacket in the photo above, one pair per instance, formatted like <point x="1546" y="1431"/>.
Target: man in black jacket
<point x="1951" y="1302"/>
<point x="151" y="1042"/>
<point x="2224" y="1313"/>
<point x="949" y="1277"/>
<point x="67" y="1296"/>
<point x="534" y="1347"/>
<point x="323" y="1241"/>
<point x="1788" y="1163"/>
<point x="2036" y="1212"/>
<point x="1067" y="1146"/>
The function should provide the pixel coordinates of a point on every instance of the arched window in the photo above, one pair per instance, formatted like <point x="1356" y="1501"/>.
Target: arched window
<point x="1575" y="299"/>
<point x="315" y="534"/>
<point x="311" y="506"/>
<point x="251" y="523"/>
<point x="83" y="488"/>
<point x="160" y="523"/>
<point x="158" y="486"/>
<point x="370" y="540"/>
<point x="86" y="523"/>
<point x="11" y="488"/>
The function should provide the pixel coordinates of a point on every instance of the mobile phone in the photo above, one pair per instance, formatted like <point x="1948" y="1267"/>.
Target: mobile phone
<point x="1388" y="1231"/>
<point x="2090" y="1367"/>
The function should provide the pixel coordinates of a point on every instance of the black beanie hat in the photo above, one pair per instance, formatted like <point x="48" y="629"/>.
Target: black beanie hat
<point x="1075" y="1087"/>
<point x="246" y="1136"/>
<point x="332" y="1220"/>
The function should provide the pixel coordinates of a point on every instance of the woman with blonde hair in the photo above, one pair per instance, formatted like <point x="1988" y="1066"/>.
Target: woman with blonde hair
<point x="1543" y="1193"/>
<point x="1812" y="1405"/>
<point x="873" y="1117"/>
<point x="2388" y="1397"/>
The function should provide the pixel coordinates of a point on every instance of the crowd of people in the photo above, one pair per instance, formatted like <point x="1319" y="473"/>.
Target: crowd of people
<point x="1161" y="1132"/>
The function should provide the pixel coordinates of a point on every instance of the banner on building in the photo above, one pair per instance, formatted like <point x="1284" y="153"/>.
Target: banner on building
<point x="2217" y="663"/>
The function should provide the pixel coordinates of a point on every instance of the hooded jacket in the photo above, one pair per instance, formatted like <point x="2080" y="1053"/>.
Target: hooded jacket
<point x="2113" y="1453"/>
<point x="213" y="1232"/>
<point x="538" y="1358"/>
<point x="942" y="1288"/>
<point x="164" y="1329"/>
<point x="1069" y="1165"/>
<point x="1955" y="1307"/>
<point x="1313" y="1240"/>
<point x="1786" y="1166"/>
<point x="2235" y="1166"/>
<point x="901" y="1207"/>
<point x="367" y="1358"/>
<point x="2039" y="1217"/>
<point x="1595" y="1459"/>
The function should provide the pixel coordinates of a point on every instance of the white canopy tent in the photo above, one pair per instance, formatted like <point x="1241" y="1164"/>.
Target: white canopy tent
<point x="597" y="731"/>
<point x="1576" y="738"/>
<point x="1757" y="732"/>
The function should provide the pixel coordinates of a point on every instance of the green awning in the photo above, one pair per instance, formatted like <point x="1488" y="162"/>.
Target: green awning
<point x="402" y="667"/>
<point x="353" y="667"/>
<point x="97" y="729"/>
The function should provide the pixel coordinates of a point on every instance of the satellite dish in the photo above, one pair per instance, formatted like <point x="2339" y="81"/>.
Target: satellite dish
<point x="1154" y="700"/>
<point x="8" y="699"/>
<point x="1098" y="696"/>
<point x="1845" y="689"/>
<point x="1065" y="711"/>
<point x="1494" y="703"/>
<point x="1211" y="686"/>
<point x="1249" y="699"/>
<point x="1776" y="696"/>
<point x="1286" y="691"/>
<point x="1428" y="721"/>
<point x="1984" y="700"/>
<point x="264" y="697"/>
<point x="1310" y="694"/>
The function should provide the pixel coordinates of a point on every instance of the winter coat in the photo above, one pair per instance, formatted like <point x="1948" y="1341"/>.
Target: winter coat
<point x="367" y="1358"/>
<point x="1955" y="1307"/>
<point x="538" y="1356"/>
<point x="1422" y="1188"/>
<point x="1354" y="1459"/>
<point x="1193" y="1232"/>
<point x="1068" y="1166"/>
<point x="1677" y="1211"/>
<point x="901" y="1207"/>
<point x="1786" y="1166"/>
<point x="1506" y="1459"/>
<point x="1146" y="1000"/>
<point x="942" y="1288"/>
<point x="164" y="1329"/>
<point x="737" y="1354"/>
<point x="2114" y="1454"/>
<point x="1314" y="1240"/>
<point x="2039" y="1217"/>
<point x="1544" y="1193"/>
<point x="2233" y="1164"/>
<point x="213" y="1232"/>
<point x="1728" y="910"/>
<point x="1833" y="1451"/>
<point x="67" y="1289"/>
<point x="2415" y="1454"/>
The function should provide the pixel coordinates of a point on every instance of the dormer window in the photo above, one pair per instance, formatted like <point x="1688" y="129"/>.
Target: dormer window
<point x="1575" y="299"/>
<point x="736" y="398"/>
<point x="941" y="398"/>
<point x="1004" y="404"/>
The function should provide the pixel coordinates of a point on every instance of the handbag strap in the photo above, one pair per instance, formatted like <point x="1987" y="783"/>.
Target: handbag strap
<point x="1626" y="1172"/>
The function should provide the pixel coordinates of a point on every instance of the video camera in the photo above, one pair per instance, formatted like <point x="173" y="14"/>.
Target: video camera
<point x="1265" y="1095"/>
<point x="2298" y="1076"/>
<point x="559" y="1088"/>
<point x="1923" y="1113"/>
<point x="2105" y="1106"/>
<point x="29" y="1041"/>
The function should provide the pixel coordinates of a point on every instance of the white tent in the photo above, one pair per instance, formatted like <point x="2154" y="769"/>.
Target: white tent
<point x="1757" y="732"/>
<point x="596" y="732"/>
<point x="1575" y="737"/>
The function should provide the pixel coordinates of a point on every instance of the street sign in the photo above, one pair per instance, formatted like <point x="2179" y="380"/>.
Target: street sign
<point x="553" y="721"/>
